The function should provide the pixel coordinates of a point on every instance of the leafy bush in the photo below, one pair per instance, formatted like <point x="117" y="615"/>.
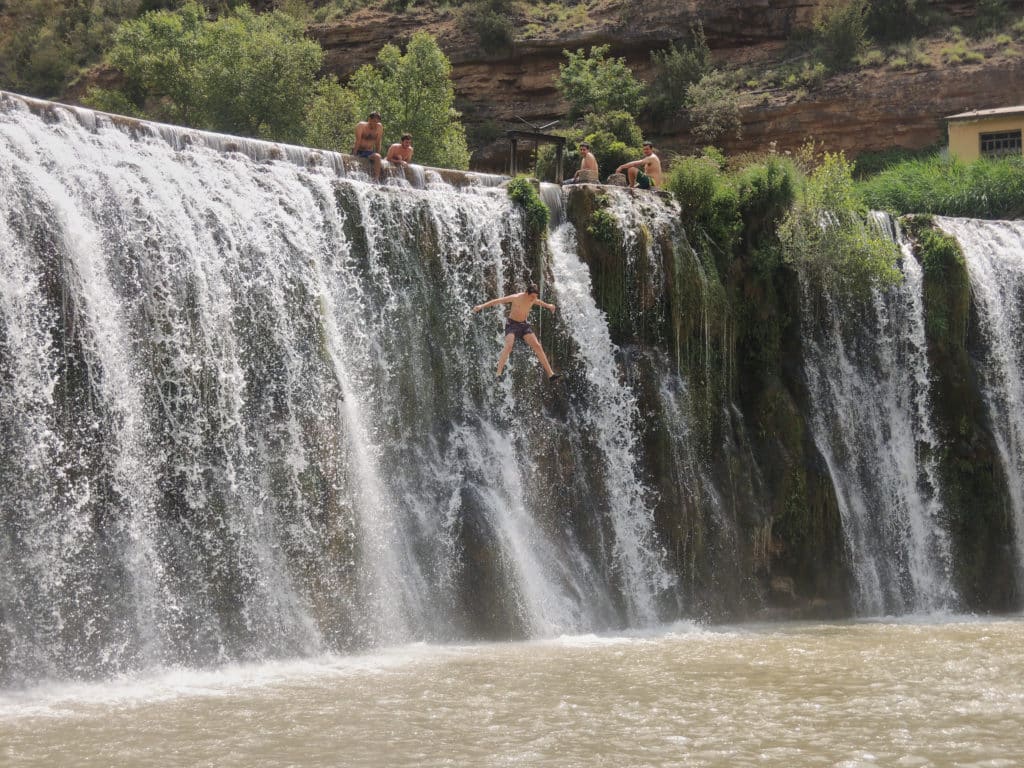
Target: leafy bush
<point x="522" y="192"/>
<point x="44" y="44"/>
<point x="989" y="16"/>
<point x="714" y="109"/>
<point x="604" y="227"/>
<point x="892" y="20"/>
<point x="490" y="21"/>
<point x="765" y="192"/>
<point x="414" y="93"/>
<point x="840" y="30"/>
<point x="242" y="73"/>
<point x="984" y="189"/>
<point x="592" y="83"/>
<point x="708" y="202"/>
<point x="827" y="236"/>
<point x="332" y="113"/>
<point x="675" y="70"/>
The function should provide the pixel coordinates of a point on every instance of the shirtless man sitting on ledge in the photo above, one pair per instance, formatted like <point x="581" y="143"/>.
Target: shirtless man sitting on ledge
<point x="369" y="134"/>
<point x="401" y="153"/>
<point x="644" y="173"/>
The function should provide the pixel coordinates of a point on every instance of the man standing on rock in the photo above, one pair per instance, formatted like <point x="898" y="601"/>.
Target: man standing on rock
<point x="644" y="173"/>
<point x="369" y="134"/>
<point x="516" y="327"/>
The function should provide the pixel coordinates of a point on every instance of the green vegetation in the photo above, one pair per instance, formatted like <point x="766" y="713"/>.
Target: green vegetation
<point x="592" y="83"/>
<point x="332" y="113"/>
<point x="245" y="73"/>
<point x="256" y="75"/>
<point x="45" y="44"/>
<point x="986" y="188"/>
<point x="826" y="235"/>
<point x="676" y="69"/>
<point x="524" y="194"/>
<point x="414" y="93"/>
<point x="841" y="31"/>
<point x="491" y="21"/>
<point x="943" y="263"/>
<point x="714" y="109"/>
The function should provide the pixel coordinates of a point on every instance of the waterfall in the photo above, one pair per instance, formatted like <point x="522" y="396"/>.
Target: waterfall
<point x="612" y="414"/>
<point x="247" y="412"/>
<point x="994" y="253"/>
<point x="868" y="377"/>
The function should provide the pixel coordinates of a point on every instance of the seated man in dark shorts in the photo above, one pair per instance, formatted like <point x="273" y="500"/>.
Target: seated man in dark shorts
<point x="517" y="327"/>
<point x="369" y="134"/>
<point x="644" y="173"/>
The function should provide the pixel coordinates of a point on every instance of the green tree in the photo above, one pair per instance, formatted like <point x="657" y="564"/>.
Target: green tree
<point x="44" y="44"/>
<point x="245" y="73"/>
<point x="593" y="83"/>
<point x="827" y="235"/>
<point x="714" y="109"/>
<point x="414" y="94"/>
<point x="840" y="28"/>
<point x="675" y="70"/>
<point x="332" y="115"/>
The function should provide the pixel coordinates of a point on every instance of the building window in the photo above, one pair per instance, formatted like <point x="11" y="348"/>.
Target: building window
<point x="1000" y="144"/>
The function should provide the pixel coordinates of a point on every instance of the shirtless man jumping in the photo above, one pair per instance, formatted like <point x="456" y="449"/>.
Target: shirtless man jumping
<point x="645" y="172"/>
<point x="369" y="134"/>
<point x="517" y="328"/>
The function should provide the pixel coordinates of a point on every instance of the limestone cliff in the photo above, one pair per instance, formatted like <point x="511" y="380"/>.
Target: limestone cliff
<point x="861" y="111"/>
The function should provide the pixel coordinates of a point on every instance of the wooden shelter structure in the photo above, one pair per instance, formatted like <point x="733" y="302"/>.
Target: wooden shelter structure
<point x="514" y="137"/>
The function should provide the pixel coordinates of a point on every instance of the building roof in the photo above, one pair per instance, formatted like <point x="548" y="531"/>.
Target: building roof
<point x="979" y="113"/>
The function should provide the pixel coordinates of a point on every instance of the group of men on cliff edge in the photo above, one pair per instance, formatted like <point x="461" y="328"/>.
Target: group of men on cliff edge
<point x="644" y="173"/>
<point x="370" y="134"/>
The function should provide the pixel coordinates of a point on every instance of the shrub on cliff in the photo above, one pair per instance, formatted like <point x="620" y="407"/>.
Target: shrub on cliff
<point x="243" y="73"/>
<point x="522" y="192"/>
<point x="414" y="93"/>
<point x="709" y="205"/>
<point x="714" y="109"/>
<point x="840" y="28"/>
<point x="491" y="22"/>
<point x="984" y="189"/>
<point x="594" y="84"/>
<point x="676" y="69"/>
<point x="828" y="237"/>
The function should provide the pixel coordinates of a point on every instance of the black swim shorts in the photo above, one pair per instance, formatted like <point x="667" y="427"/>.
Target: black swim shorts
<point x="519" y="329"/>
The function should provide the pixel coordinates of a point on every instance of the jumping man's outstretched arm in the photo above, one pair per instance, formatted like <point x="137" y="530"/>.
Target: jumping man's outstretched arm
<point x="493" y="303"/>
<point x="548" y="307"/>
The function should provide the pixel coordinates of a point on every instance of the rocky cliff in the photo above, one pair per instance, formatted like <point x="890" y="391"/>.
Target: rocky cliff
<point x="861" y="111"/>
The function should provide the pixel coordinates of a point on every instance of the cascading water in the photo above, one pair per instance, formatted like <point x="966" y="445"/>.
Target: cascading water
<point x="868" y="377"/>
<point x="611" y="415"/>
<point x="994" y="253"/>
<point x="247" y="413"/>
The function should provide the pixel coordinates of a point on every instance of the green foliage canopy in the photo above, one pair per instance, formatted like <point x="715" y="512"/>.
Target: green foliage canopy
<point x="593" y="83"/>
<point x="827" y="236"/>
<point x="840" y="28"/>
<point x="414" y="94"/>
<point x="676" y="69"/>
<point x="245" y="73"/>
